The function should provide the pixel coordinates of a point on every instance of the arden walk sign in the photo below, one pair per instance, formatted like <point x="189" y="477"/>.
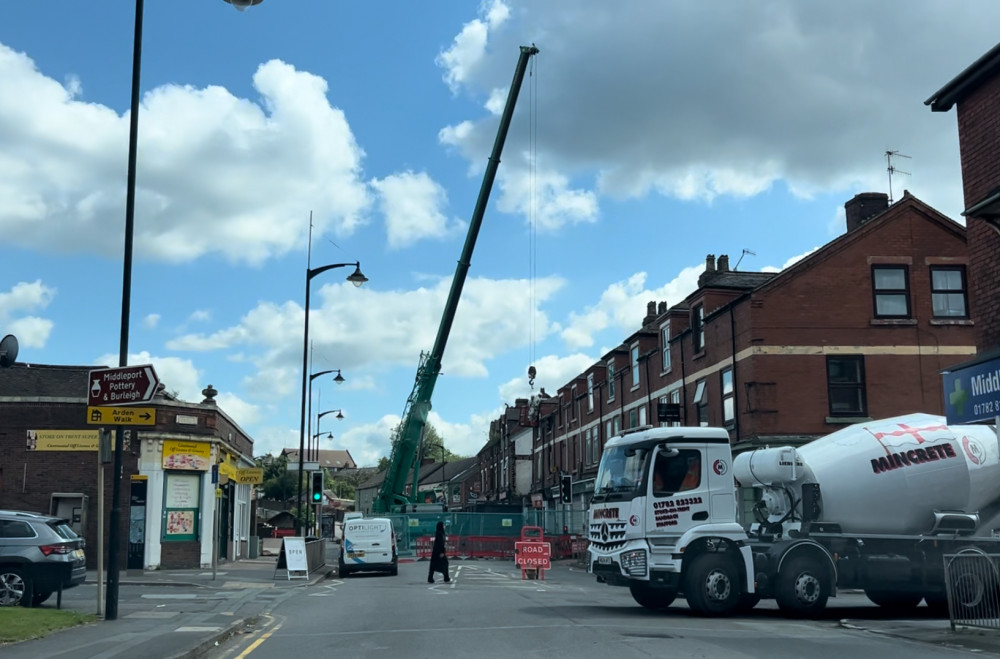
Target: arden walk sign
<point x="121" y="416"/>
<point x="122" y="386"/>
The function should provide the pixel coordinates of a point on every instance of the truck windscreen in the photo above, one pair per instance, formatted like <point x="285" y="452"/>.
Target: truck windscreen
<point x="621" y="471"/>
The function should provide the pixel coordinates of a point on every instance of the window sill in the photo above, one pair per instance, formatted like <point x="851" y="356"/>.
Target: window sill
<point x="952" y="321"/>
<point x="666" y="372"/>
<point x="698" y="355"/>
<point x="894" y="321"/>
<point x="635" y="387"/>
<point x="847" y="420"/>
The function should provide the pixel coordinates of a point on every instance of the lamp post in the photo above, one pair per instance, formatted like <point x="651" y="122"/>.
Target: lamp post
<point x="339" y="380"/>
<point x="114" y="526"/>
<point x="355" y="278"/>
<point x="315" y="446"/>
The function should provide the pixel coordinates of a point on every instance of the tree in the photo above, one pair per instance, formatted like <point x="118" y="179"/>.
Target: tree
<point x="279" y="483"/>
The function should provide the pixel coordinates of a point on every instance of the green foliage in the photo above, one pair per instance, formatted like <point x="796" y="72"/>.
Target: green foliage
<point x="342" y="488"/>
<point x="18" y="623"/>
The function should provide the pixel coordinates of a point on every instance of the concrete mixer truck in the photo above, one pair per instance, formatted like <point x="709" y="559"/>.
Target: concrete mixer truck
<point x="876" y="506"/>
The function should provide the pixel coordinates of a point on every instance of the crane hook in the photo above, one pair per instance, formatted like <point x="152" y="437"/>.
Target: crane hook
<point x="531" y="376"/>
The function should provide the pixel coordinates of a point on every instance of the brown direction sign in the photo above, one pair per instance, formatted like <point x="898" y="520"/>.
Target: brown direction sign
<point x="122" y="386"/>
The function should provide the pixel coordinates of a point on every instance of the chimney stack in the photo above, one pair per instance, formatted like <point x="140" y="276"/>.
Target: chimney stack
<point x="661" y="308"/>
<point x="863" y="207"/>
<point x="650" y="312"/>
<point x="724" y="263"/>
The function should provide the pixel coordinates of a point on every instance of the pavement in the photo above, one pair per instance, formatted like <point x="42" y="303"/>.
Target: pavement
<point x="169" y="614"/>
<point x="173" y="614"/>
<point x="932" y="631"/>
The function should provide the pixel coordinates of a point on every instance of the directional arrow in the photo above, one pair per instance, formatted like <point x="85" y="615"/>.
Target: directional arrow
<point x="122" y="386"/>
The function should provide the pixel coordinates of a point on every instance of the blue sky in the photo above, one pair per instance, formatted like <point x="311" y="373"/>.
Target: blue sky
<point x="661" y="132"/>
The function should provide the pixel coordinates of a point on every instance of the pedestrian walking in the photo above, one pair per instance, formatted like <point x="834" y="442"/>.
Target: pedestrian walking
<point x="439" y="559"/>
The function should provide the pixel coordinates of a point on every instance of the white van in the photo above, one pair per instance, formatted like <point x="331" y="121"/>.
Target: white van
<point x="369" y="544"/>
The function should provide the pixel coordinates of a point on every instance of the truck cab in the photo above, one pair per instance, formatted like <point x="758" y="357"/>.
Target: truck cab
<point x="662" y="519"/>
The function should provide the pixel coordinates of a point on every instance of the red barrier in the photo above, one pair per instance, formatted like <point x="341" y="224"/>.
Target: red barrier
<point x="424" y="545"/>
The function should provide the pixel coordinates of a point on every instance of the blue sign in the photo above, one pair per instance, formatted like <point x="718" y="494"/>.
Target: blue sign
<point x="972" y="394"/>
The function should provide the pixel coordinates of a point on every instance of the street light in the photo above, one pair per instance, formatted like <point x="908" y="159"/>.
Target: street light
<point x="339" y="380"/>
<point x="241" y="5"/>
<point x="114" y="528"/>
<point x="318" y="433"/>
<point x="355" y="278"/>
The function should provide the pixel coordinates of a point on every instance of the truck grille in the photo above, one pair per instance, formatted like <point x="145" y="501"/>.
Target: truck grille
<point x="607" y="536"/>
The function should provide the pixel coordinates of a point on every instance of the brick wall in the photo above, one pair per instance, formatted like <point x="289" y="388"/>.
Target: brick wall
<point x="979" y="142"/>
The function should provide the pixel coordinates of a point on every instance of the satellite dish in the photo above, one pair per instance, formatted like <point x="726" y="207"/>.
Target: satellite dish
<point x="8" y="350"/>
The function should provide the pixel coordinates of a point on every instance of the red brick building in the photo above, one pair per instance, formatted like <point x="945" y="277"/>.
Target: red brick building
<point x="975" y="92"/>
<point x="858" y="329"/>
<point x="49" y="462"/>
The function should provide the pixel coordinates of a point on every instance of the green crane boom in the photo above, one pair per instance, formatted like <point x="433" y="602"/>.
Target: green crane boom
<point x="409" y="434"/>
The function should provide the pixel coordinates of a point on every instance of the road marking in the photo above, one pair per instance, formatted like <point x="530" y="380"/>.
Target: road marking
<point x="263" y="637"/>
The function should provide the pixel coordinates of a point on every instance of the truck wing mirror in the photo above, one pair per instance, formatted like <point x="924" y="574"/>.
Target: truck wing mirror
<point x="669" y="452"/>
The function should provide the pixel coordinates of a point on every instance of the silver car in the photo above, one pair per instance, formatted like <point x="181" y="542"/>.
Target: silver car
<point x="38" y="554"/>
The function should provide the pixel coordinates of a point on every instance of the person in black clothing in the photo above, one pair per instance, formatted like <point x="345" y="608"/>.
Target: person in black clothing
<point x="439" y="559"/>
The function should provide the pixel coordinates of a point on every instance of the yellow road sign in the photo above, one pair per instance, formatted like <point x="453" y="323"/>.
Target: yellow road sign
<point x="121" y="416"/>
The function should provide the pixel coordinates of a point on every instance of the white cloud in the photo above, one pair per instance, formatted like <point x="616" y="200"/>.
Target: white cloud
<point x="31" y="332"/>
<point x="232" y="186"/>
<point x="243" y="413"/>
<point x="552" y="372"/>
<point x="200" y="315"/>
<point x="697" y="104"/>
<point x="26" y="297"/>
<point x="411" y="203"/>
<point x="623" y="305"/>
<point x="151" y="320"/>
<point x="469" y="46"/>
<point x="347" y="321"/>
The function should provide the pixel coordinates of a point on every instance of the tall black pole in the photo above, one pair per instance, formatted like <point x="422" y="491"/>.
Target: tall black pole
<point x="114" y="528"/>
<point x="302" y="424"/>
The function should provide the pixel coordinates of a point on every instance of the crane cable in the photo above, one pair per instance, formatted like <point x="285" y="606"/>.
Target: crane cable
<point x="532" y="214"/>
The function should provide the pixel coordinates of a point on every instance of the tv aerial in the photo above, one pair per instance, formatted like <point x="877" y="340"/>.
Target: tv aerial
<point x="745" y="252"/>
<point x="892" y="169"/>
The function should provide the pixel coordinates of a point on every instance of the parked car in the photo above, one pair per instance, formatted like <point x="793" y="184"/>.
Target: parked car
<point x="38" y="553"/>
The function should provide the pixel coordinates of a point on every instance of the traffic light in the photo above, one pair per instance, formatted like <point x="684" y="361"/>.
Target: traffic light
<point x="317" y="488"/>
<point x="566" y="488"/>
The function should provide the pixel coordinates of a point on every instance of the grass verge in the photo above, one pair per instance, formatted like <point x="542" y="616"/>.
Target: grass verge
<point x="18" y="623"/>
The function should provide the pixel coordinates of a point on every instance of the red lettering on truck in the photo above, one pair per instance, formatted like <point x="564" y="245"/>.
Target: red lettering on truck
<point x="913" y="457"/>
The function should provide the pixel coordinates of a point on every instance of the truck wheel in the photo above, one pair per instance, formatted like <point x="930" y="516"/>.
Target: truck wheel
<point x="888" y="599"/>
<point x="802" y="587"/>
<point x="651" y="598"/>
<point x="711" y="585"/>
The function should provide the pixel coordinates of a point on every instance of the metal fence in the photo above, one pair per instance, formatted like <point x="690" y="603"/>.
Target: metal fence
<point x="410" y="527"/>
<point x="972" y="582"/>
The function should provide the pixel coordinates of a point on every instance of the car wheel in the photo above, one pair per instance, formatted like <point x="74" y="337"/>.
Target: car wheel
<point x="14" y="587"/>
<point x="38" y="598"/>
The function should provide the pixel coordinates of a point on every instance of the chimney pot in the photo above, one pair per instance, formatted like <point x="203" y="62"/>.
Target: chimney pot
<point x="710" y="263"/>
<point x="864" y="206"/>
<point x="662" y="308"/>
<point x="724" y="263"/>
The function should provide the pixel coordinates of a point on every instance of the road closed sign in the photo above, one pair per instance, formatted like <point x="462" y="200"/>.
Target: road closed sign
<point x="533" y="555"/>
